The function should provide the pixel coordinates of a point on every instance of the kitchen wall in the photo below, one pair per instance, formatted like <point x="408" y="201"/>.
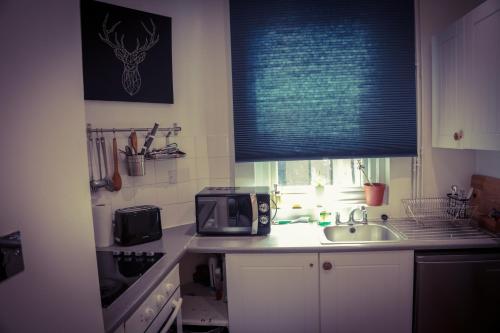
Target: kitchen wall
<point x="202" y="86"/>
<point x="43" y="174"/>
<point x="488" y="163"/>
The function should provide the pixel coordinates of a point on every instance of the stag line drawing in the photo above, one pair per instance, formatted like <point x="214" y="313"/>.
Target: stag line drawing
<point x="131" y="78"/>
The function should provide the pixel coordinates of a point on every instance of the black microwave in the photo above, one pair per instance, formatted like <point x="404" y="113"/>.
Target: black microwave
<point x="233" y="211"/>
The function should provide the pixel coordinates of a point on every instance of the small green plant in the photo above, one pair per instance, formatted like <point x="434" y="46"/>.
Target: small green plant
<point x="362" y="168"/>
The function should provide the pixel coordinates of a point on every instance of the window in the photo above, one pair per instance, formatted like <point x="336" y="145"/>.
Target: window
<point x="323" y="79"/>
<point x="315" y="183"/>
<point x="342" y="173"/>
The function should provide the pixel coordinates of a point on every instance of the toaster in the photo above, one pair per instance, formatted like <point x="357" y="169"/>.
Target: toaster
<point x="136" y="225"/>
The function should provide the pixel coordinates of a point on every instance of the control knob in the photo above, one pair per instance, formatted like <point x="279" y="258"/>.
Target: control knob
<point x="160" y="300"/>
<point x="264" y="219"/>
<point x="168" y="288"/>
<point x="263" y="207"/>
<point x="148" y="314"/>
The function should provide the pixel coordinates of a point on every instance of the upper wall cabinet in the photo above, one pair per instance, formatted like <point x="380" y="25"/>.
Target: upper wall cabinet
<point x="447" y="79"/>
<point x="466" y="81"/>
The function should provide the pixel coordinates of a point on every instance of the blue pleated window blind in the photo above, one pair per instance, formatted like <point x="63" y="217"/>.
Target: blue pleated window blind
<point x="323" y="79"/>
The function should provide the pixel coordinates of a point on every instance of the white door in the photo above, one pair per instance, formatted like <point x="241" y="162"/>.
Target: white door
<point x="366" y="292"/>
<point x="447" y="86"/>
<point x="273" y="293"/>
<point x="482" y="26"/>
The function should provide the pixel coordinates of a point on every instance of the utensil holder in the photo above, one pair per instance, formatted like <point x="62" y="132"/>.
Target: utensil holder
<point x="135" y="165"/>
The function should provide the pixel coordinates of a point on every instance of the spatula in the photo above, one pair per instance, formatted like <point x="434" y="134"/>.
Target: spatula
<point x="117" y="179"/>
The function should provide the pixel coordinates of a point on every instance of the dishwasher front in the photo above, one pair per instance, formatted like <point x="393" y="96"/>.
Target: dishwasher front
<point x="457" y="291"/>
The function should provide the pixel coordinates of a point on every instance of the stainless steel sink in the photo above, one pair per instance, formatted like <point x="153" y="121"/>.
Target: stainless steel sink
<point x="359" y="233"/>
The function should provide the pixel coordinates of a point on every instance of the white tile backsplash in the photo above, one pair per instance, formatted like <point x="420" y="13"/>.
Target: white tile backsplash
<point x="201" y="146"/>
<point x="202" y="183"/>
<point x="162" y="168"/>
<point x="219" y="167"/>
<point x="186" y="212"/>
<point x="222" y="182"/>
<point x="123" y="198"/>
<point x="146" y="195"/>
<point x="166" y="194"/>
<point x="202" y="168"/>
<point x="186" y="191"/>
<point x="218" y="145"/>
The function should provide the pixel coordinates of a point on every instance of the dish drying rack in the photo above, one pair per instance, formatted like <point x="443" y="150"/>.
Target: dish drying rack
<point x="436" y="211"/>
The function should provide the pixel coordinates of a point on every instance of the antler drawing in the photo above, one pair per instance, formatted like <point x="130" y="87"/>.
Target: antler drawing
<point x="131" y="79"/>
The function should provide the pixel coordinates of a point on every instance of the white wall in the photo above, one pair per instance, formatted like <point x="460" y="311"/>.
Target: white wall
<point x="43" y="174"/>
<point x="488" y="163"/>
<point x="201" y="70"/>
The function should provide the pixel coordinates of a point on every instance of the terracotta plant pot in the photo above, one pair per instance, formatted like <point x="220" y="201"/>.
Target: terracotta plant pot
<point x="374" y="194"/>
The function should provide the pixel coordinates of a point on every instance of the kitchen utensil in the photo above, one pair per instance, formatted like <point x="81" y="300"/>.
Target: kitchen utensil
<point x="94" y="184"/>
<point x="135" y="165"/>
<point x="149" y="139"/>
<point x="98" y="147"/>
<point x="133" y="141"/>
<point x="117" y="179"/>
<point x="108" y="182"/>
<point x="90" y="147"/>
<point x="454" y="189"/>
<point x="128" y="151"/>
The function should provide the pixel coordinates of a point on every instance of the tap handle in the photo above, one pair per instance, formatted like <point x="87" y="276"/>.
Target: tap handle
<point x="364" y="211"/>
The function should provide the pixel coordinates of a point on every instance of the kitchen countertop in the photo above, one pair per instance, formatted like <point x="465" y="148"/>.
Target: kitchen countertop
<point x="291" y="238"/>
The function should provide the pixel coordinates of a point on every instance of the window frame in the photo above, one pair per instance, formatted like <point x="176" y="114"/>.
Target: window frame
<point x="266" y="174"/>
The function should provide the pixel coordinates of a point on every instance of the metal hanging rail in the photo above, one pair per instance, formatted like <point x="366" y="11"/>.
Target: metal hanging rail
<point x="175" y="129"/>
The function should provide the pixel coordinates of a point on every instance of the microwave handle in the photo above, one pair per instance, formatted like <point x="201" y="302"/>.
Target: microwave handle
<point x="255" y="213"/>
<point x="177" y="307"/>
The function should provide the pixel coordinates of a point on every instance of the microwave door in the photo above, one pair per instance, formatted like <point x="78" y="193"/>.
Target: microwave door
<point x="207" y="215"/>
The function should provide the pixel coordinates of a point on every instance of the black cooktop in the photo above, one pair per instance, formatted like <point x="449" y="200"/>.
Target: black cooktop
<point x="118" y="270"/>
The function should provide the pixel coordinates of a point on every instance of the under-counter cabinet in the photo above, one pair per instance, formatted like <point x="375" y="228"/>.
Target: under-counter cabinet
<point x="465" y="84"/>
<point x="366" y="292"/>
<point x="332" y="293"/>
<point x="273" y="292"/>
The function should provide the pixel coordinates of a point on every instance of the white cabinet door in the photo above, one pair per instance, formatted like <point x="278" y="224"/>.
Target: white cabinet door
<point x="447" y="87"/>
<point x="273" y="293"/>
<point x="482" y="26"/>
<point x="366" y="292"/>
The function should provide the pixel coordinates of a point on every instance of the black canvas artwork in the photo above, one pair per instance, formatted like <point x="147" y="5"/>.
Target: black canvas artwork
<point x="127" y="54"/>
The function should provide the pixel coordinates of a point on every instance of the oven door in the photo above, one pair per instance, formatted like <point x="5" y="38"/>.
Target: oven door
<point x="169" y="316"/>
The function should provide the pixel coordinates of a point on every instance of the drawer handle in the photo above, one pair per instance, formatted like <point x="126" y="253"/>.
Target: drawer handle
<point x="458" y="135"/>
<point x="327" y="266"/>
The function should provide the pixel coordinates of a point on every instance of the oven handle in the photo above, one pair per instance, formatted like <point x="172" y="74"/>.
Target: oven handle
<point x="177" y="307"/>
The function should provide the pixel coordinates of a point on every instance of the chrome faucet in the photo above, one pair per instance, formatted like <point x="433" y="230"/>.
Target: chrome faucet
<point x="352" y="220"/>
<point x="364" y="215"/>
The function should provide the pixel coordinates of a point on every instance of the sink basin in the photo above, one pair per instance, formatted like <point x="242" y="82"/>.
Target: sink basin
<point x="359" y="233"/>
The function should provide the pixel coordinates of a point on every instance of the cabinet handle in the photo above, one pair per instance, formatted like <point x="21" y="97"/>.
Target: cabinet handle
<point x="311" y="265"/>
<point x="458" y="135"/>
<point x="327" y="266"/>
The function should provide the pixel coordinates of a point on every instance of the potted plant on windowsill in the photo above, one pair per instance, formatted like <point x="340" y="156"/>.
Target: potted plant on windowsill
<point x="374" y="192"/>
